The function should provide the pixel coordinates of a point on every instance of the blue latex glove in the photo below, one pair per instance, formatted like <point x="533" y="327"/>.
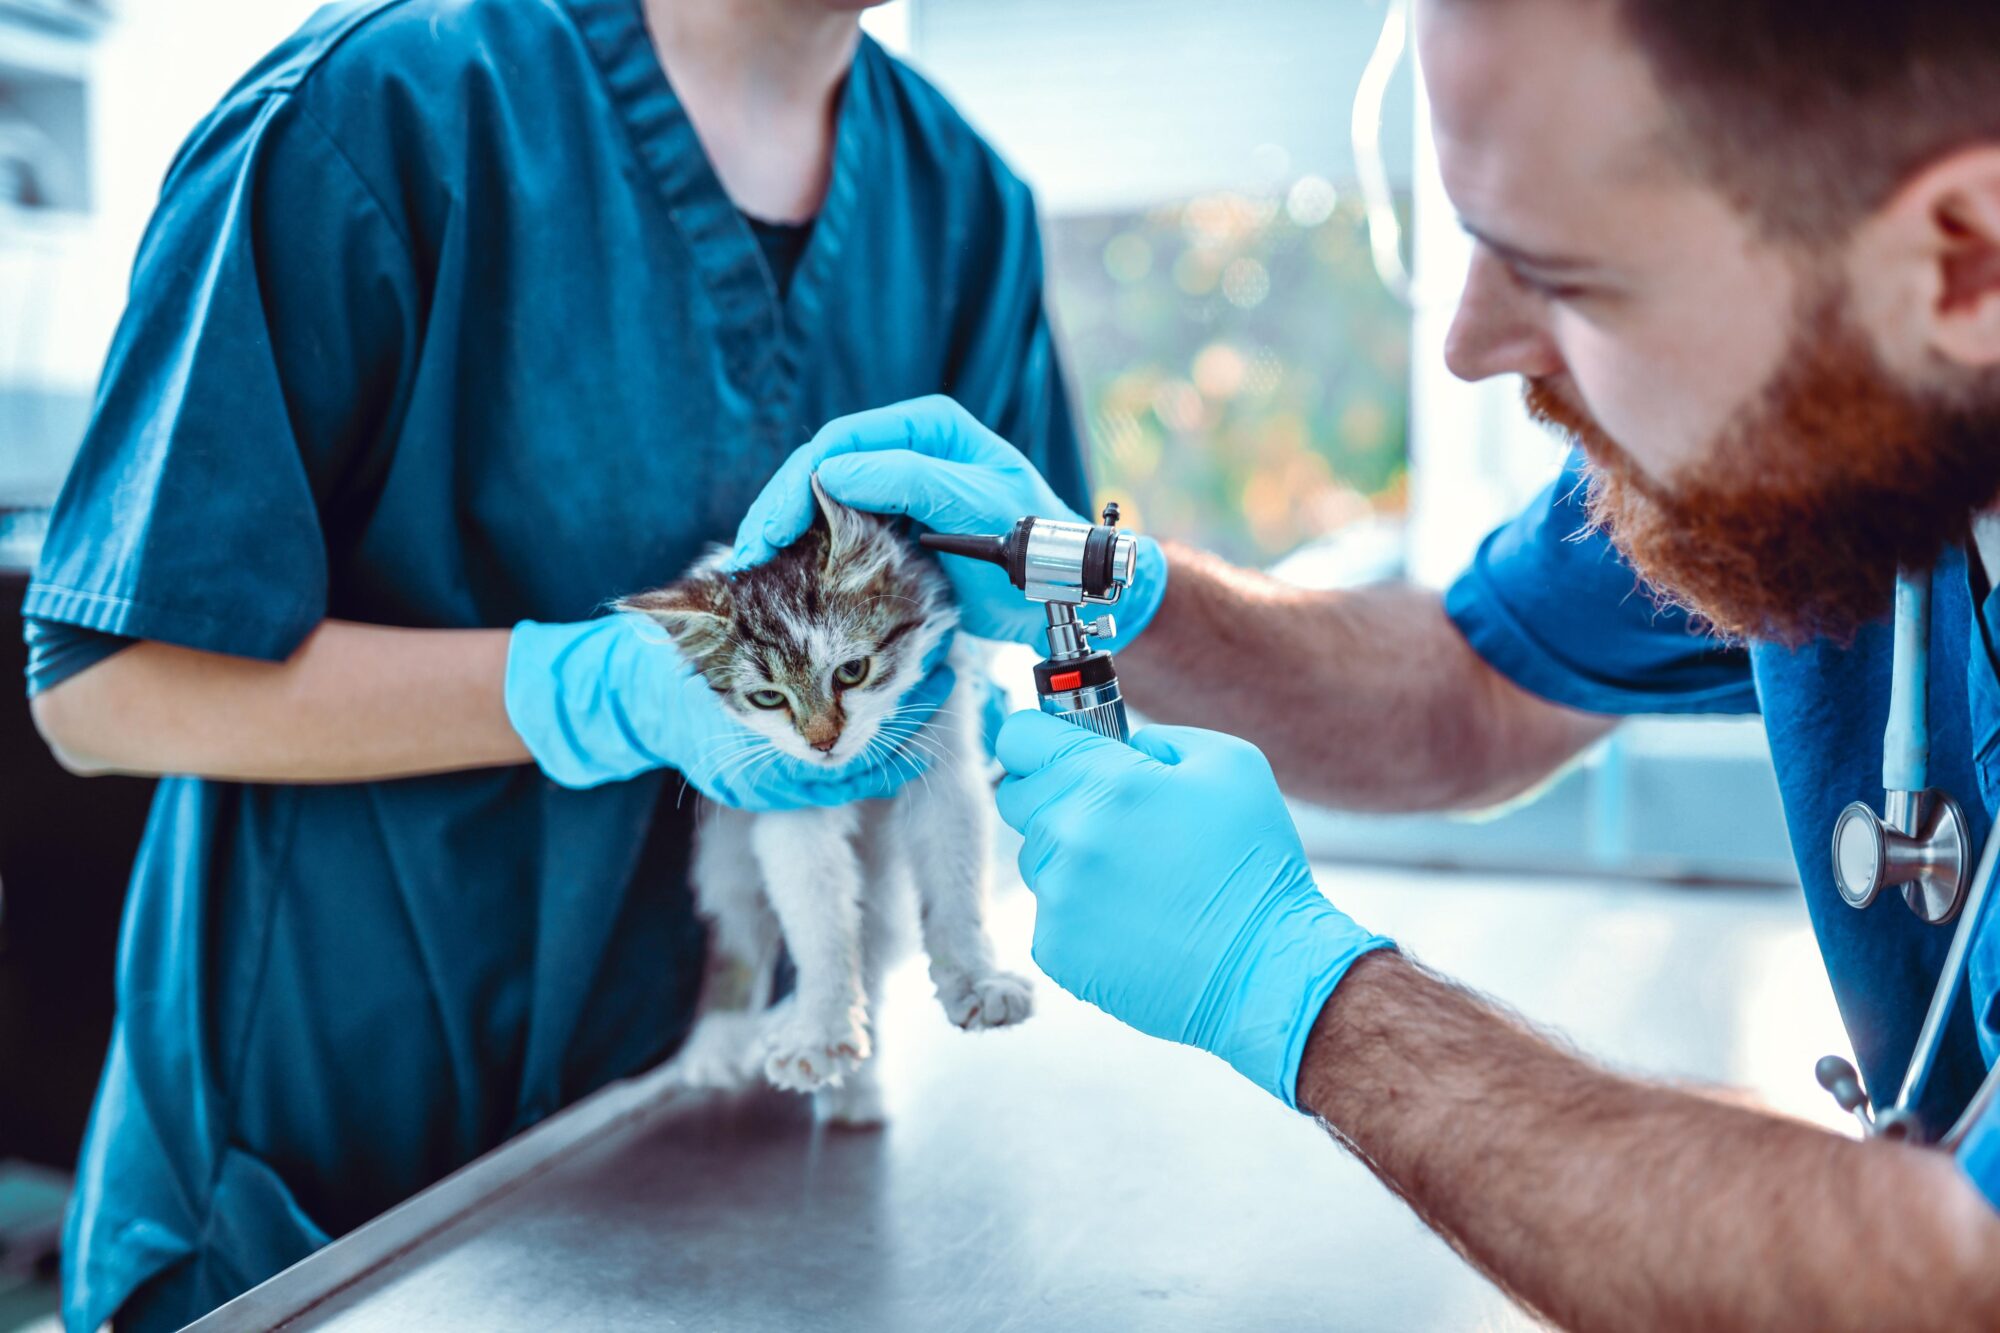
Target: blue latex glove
<point x="608" y="699"/>
<point x="931" y="459"/>
<point x="1172" y="890"/>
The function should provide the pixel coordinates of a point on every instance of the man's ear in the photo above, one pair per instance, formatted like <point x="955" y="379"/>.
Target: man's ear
<point x="1943" y="227"/>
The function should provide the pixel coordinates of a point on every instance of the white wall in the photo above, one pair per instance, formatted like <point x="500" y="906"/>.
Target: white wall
<point x="1475" y="457"/>
<point x="1113" y="104"/>
<point x="160" y="67"/>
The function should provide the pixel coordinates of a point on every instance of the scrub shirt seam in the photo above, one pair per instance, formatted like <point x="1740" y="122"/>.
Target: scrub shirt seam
<point x="353" y="168"/>
<point x="1484" y="620"/>
<point x="229" y="1141"/>
<point x="37" y="606"/>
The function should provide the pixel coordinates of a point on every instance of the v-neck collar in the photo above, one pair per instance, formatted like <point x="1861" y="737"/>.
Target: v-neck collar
<point x="752" y="318"/>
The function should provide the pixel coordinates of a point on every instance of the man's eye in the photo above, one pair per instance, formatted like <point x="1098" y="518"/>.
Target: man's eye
<point x="1550" y="290"/>
<point x="767" y="698"/>
<point x="852" y="673"/>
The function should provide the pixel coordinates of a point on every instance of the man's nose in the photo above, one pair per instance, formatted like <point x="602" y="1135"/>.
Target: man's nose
<point x="1499" y="329"/>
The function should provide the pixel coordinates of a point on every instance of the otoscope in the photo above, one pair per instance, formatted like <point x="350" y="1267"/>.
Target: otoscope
<point x="1066" y="565"/>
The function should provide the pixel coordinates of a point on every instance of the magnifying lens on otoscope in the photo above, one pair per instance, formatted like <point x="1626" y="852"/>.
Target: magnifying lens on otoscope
<point x="1065" y="566"/>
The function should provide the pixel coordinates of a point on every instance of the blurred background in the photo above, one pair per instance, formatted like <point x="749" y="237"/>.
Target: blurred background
<point x="1251" y="267"/>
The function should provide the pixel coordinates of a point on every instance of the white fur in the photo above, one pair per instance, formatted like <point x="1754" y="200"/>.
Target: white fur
<point x="837" y="885"/>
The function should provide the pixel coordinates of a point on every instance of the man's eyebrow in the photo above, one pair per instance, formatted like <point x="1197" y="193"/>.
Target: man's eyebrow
<point x="1518" y="254"/>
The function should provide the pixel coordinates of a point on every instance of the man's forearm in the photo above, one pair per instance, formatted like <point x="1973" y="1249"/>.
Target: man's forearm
<point x="354" y="703"/>
<point x="1368" y="699"/>
<point x="1608" y="1203"/>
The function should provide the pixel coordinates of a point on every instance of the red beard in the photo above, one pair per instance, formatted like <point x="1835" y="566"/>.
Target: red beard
<point x="1809" y="503"/>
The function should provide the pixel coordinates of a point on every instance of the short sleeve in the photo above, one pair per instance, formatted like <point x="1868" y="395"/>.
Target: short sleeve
<point x="1552" y="606"/>
<point x="243" y="399"/>
<point x="1978" y="1151"/>
<point x="57" y="651"/>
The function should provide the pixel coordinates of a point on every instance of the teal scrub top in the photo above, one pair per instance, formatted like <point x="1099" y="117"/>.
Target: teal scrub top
<point x="445" y="320"/>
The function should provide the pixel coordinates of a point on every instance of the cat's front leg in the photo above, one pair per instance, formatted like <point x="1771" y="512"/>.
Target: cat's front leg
<point x="813" y="879"/>
<point x="722" y="1051"/>
<point x="947" y="835"/>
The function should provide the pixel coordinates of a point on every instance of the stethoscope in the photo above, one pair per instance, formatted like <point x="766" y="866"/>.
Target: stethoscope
<point x="1920" y="844"/>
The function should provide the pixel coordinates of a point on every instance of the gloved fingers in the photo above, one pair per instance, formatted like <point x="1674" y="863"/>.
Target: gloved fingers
<point x="943" y="495"/>
<point x="934" y="426"/>
<point x="1018" y="799"/>
<point x="1159" y="742"/>
<point x="781" y="513"/>
<point x="1029" y="804"/>
<point x="1200" y="746"/>
<point x="1031" y="741"/>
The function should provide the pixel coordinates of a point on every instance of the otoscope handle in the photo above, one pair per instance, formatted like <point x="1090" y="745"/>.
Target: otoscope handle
<point x="1084" y="690"/>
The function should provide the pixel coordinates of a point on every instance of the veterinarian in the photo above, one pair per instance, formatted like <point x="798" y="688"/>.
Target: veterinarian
<point x="455" y="316"/>
<point x="1748" y="257"/>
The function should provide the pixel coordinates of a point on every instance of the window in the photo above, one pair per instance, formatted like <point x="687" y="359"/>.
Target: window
<point x="1242" y="372"/>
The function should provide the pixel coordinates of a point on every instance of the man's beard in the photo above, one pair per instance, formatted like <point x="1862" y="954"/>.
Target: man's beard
<point x="1810" y="501"/>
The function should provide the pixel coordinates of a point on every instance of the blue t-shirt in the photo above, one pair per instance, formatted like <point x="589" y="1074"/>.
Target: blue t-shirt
<point x="1552" y="606"/>
<point x="444" y="320"/>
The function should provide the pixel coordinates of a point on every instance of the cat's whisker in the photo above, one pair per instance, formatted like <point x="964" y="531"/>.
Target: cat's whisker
<point x="916" y="769"/>
<point x="735" y="745"/>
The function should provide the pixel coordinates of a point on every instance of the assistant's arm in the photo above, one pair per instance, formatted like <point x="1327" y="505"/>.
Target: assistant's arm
<point x="592" y="702"/>
<point x="1609" y="1203"/>
<point x="1404" y="714"/>
<point x="353" y="703"/>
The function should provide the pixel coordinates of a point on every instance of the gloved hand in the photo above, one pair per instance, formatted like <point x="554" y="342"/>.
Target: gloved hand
<point x="931" y="459"/>
<point x="1172" y="890"/>
<point x="607" y="699"/>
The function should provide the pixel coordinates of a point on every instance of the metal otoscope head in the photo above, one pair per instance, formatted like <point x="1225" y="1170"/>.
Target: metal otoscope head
<point x="1052" y="560"/>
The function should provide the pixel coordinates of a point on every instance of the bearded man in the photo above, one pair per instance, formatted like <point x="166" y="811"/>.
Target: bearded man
<point x="1747" y="254"/>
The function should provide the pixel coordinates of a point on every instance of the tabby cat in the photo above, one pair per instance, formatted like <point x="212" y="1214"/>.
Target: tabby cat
<point x="813" y="652"/>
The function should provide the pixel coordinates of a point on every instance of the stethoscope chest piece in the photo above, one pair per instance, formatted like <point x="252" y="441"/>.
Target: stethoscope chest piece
<point x="1923" y="845"/>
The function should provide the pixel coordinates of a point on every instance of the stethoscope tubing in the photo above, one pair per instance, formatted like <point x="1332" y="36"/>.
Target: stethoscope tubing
<point x="1930" y="1038"/>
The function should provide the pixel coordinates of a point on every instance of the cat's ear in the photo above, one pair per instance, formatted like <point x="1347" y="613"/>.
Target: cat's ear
<point x="847" y="530"/>
<point x="690" y="610"/>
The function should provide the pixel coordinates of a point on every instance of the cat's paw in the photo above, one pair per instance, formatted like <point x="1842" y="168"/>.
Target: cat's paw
<point x="721" y="1052"/>
<point x="997" y="1000"/>
<point x="856" y="1103"/>
<point x="804" y="1052"/>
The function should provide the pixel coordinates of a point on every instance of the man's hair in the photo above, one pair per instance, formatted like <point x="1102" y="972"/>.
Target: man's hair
<point x="1809" y="114"/>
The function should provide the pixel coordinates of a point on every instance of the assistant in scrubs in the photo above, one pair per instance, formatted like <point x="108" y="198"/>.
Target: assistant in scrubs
<point x="450" y="321"/>
<point x="1748" y="258"/>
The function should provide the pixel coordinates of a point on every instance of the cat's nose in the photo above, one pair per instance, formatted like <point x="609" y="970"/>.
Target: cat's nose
<point x="825" y="746"/>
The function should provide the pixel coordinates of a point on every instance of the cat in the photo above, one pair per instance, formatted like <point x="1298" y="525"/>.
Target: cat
<point x="813" y="652"/>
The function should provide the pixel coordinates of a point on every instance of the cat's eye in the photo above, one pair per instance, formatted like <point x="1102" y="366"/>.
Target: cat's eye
<point x="766" y="699"/>
<point x="852" y="673"/>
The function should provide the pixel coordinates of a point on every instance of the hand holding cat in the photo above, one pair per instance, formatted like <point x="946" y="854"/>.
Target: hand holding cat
<point x="932" y="460"/>
<point x="1172" y="890"/>
<point x="608" y="699"/>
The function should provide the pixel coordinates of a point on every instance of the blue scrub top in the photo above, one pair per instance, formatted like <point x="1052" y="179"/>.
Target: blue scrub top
<point x="445" y="320"/>
<point x="1554" y="608"/>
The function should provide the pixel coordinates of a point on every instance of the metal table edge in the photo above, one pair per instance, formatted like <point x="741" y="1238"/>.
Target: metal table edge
<point x="616" y="1108"/>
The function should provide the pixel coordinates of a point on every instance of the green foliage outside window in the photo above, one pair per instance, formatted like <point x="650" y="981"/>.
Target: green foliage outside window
<point x="1242" y="371"/>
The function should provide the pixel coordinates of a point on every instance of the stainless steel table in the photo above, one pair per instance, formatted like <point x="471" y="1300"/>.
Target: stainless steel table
<point x="1065" y="1176"/>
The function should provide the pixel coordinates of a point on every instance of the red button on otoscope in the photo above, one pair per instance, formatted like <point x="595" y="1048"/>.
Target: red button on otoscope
<point x="1067" y="680"/>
